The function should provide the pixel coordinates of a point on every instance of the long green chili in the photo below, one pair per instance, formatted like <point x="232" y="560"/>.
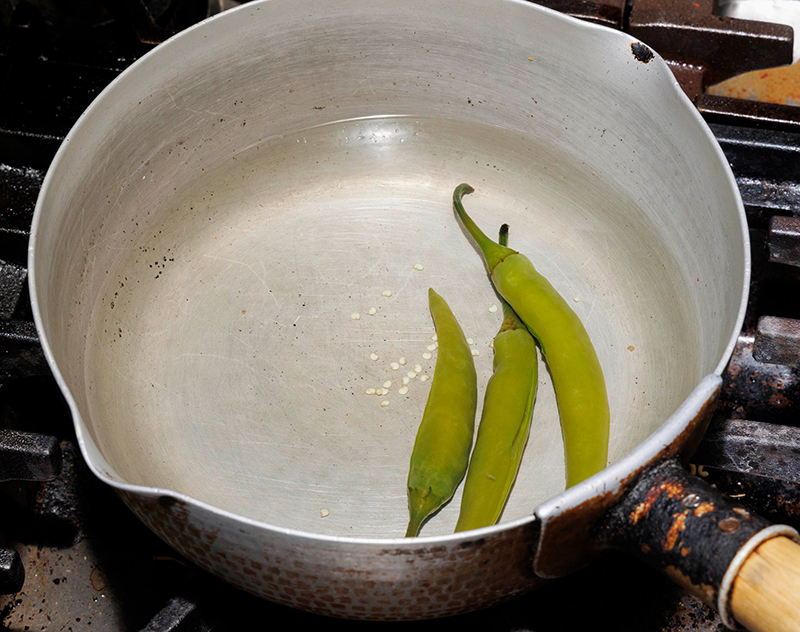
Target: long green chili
<point x="505" y="422"/>
<point x="444" y="438"/>
<point x="571" y="359"/>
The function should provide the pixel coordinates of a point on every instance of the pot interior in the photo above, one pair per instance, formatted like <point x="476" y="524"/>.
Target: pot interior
<point x="222" y="213"/>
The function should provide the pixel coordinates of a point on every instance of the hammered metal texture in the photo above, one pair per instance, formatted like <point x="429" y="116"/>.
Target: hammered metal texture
<point x="354" y="580"/>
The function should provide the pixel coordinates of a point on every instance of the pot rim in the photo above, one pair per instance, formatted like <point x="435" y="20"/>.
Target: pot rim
<point x="604" y="481"/>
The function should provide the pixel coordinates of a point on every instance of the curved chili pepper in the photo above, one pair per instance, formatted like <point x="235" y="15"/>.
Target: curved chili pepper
<point x="577" y="376"/>
<point x="505" y="422"/>
<point x="444" y="438"/>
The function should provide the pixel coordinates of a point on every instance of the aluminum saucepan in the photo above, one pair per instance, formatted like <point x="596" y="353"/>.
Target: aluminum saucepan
<point x="236" y="240"/>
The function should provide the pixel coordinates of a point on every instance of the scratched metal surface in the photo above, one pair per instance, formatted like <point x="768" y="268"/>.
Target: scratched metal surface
<point x="190" y="225"/>
<point x="223" y="343"/>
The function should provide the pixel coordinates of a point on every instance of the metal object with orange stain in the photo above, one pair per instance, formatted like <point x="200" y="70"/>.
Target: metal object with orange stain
<point x="704" y="508"/>
<point x="679" y="524"/>
<point x="671" y="488"/>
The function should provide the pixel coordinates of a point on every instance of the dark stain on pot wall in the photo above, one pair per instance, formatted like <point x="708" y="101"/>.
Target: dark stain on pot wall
<point x="642" y="52"/>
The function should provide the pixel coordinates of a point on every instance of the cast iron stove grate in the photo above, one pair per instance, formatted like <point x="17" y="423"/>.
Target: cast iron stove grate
<point x="76" y="559"/>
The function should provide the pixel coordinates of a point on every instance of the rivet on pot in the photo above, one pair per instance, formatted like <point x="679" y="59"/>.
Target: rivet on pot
<point x="692" y="500"/>
<point x="729" y="524"/>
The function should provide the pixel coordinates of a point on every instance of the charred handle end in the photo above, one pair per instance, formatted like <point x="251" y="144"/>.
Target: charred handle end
<point x="766" y="590"/>
<point x="712" y="546"/>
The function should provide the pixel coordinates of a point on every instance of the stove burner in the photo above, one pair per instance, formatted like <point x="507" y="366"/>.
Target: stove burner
<point x="12" y="572"/>
<point x="690" y="33"/>
<point x="27" y="456"/>
<point x="784" y="240"/>
<point x="701" y="48"/>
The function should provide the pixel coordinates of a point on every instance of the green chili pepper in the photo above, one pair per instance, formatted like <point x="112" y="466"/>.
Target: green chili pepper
<point x="505" y="422"/>
<point x="441" y="449"/>
<point x="577" y="376"/>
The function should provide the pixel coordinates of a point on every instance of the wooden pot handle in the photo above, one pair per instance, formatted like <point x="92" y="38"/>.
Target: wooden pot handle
<point x="766" y="591"/>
